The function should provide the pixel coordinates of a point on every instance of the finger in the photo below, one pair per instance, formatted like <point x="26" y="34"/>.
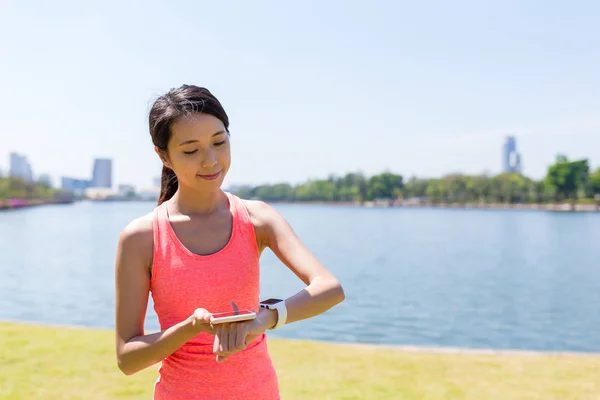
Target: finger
<point x="233" y="331"/>
<point x="205" y="317"/>
<point x="241" y="338"/>
<point x="220" y="358"/>
<point x="217" y="342"/>
<point x="224" y="342"/>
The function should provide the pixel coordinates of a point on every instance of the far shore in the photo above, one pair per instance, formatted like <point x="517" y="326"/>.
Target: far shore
<point x="564" y="207"/>
<point x="14" y="204"/>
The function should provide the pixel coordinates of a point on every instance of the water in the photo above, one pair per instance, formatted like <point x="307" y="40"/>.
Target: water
<point x="459" y="278"/>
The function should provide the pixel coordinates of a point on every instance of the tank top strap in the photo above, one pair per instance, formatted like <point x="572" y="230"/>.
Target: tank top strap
<point x="161" y="218"/>
<point x="243" y="222"/>
<point x="160" y="233"/>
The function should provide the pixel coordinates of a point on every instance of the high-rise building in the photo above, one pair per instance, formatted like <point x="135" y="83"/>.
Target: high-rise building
<point x="102" y="174"/>
<point x="20" y="167"/>
<point x="511" y="159"/>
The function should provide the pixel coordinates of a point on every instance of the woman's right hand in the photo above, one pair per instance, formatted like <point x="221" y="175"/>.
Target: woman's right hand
<point x="201" y="321"/>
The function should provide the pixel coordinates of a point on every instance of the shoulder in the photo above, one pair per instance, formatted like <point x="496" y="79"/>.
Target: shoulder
<point x="261" y="213"/>
<point x="139" y="228"/>
<point x="138" y="235"/>
<point x="267" y="221"/>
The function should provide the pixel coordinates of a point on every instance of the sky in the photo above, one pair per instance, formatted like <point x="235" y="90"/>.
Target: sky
<point x="311" y="88"/>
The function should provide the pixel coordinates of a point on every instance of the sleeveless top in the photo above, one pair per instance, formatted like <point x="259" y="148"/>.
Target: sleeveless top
<point x="183" y="281"/>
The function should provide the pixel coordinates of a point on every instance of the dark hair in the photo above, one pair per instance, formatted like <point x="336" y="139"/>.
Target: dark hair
<point x="166" y="109"/>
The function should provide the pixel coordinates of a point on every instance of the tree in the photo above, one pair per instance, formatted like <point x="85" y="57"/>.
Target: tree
<point x="352" y="187"/>
<point x="437" y="191"/>
<point x="415" y="188"/>
<point x="384" y="186"/>
<point x="595" y="181"/>
<point x="568" y="178"/>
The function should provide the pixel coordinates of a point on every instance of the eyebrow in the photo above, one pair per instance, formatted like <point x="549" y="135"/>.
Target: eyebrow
<point x="194" y="140"/>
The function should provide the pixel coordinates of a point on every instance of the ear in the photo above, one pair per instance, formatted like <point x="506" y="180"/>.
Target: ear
<point x="162" y="157"/>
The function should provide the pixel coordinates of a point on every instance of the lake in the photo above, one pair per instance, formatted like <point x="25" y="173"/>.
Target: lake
<point x="502" y="279"/>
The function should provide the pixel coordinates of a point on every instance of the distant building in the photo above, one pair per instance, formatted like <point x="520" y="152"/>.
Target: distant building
<point x="511" y="159"/>
<point x="102" y="174"/>
<point x="77" y="186"/>
<point x="99" y="193"/>
<point x="156" y="181"/>
<point x="20" y="167"/>
<point x="126" y="190"/>
<point x="149" y="194"/>
<point x="45" y="179"/>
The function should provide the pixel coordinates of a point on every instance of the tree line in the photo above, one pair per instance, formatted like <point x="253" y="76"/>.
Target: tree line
<point x="17" y="188"/>
<point x="565" y="181"/>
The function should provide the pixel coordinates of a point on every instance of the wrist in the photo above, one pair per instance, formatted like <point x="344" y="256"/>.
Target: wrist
<point x="269" y="318"/>
<point x="280" y="309"/>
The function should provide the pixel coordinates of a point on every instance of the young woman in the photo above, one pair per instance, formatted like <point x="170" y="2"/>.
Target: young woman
<point x="198" y="253"/>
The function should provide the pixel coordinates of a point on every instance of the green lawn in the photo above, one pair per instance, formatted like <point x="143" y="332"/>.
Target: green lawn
<point x="41" y="362"/>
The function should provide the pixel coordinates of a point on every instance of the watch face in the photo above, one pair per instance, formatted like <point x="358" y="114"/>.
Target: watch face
<point x="271" y="301"/>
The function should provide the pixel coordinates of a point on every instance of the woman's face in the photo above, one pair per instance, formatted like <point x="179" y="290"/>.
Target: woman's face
<point x="198" y="151"/>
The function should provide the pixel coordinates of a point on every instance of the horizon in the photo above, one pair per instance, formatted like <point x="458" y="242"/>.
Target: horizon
<point x="56" y="182"/>
<point x="311" y="89"/>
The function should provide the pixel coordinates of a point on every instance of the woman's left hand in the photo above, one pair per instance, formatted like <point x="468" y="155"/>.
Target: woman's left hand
<point x="235" y="336"/>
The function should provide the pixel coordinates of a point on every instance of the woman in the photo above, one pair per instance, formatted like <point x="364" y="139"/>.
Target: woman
<point x="198" y="253"/>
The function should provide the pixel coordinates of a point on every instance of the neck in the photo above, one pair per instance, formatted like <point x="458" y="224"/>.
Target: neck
<point x="187" y="201"/>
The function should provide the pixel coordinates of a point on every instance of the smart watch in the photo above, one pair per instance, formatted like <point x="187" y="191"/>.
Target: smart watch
<point x="279" y="305"/>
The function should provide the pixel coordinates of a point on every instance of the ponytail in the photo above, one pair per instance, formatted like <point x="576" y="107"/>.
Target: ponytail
<point x="168" y="185"/>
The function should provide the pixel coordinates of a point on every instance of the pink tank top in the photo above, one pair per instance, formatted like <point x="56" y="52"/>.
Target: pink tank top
<point x="183" y="281"/>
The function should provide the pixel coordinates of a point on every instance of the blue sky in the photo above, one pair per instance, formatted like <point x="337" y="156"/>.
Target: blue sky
<point x="311" y="88"/>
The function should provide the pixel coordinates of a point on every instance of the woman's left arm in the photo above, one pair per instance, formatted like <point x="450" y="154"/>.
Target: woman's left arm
<point x="323" y="291"/>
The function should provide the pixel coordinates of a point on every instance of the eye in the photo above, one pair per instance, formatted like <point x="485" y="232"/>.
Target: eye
<point x="220" y="143"/>
<point x="190" y="152"/>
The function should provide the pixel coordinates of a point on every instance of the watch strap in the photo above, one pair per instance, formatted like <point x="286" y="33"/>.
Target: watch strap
<point x="281" y="314"/>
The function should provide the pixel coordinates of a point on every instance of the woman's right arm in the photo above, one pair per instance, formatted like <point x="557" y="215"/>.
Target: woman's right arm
<point x="136" y="351"/>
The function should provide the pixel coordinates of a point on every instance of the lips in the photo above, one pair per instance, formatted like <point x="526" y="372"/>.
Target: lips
<point x="210" y="177"/>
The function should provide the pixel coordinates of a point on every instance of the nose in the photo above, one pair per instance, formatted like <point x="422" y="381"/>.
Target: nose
<point x="209" y="160"/>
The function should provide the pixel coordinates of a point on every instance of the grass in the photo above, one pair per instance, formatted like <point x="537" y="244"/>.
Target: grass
<point x="43" y="362"/>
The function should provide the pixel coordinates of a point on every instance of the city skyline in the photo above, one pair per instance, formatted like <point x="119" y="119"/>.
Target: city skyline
<point x="100" y="176"/>
<point x="507" y="145"/>
<point x="102" y="171"/>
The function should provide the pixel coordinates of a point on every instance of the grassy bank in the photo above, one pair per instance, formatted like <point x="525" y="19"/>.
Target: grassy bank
<point x="40" y="362"/>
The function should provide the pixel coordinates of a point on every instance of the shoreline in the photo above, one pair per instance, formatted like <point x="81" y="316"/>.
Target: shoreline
<point x="560" y="207"/>
<point x="17" y="204"/>
<point x="394" y="347"/>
